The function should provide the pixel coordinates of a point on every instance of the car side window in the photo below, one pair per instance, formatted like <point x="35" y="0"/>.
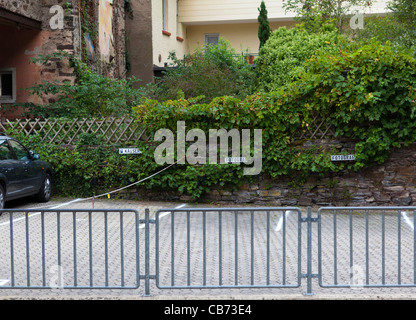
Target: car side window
<point x="20" y="151"/>
<point x="5" y="153"/>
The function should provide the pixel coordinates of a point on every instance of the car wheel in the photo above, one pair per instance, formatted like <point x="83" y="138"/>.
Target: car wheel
<point x="45" y="190"/>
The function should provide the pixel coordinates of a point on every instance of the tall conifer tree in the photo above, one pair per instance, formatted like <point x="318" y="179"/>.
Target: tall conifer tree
<point x="264" y="27"/>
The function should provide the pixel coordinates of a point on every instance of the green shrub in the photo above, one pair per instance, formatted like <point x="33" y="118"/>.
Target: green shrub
<point x="369" y="93"/>
<point x="91" y="95"/>
<point x="283" y="56"/>
<point x="211" y="71"/>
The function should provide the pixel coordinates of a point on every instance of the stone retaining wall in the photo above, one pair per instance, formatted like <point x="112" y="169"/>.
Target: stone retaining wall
<point x="392" y="183"/>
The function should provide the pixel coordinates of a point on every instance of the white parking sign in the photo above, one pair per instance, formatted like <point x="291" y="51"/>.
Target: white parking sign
<point x="129" y="151"/>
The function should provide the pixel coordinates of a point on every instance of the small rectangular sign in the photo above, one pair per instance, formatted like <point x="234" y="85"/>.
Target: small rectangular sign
<point x="341" y="157"/>
<point x="235" y="160"/>
<point x="129" y="151"/>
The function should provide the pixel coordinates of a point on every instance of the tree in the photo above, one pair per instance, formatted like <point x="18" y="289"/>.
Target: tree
<point x="399" y="27"/>
<point x="315" y="13"/>
<point x="264" y="27"/>
<point x="405" y="10"/>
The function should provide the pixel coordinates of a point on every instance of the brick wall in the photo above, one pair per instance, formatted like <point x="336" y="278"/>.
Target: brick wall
<point x="46" y="41"/>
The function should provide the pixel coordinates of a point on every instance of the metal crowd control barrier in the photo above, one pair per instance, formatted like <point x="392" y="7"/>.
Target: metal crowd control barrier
<point x="71" y="249"/>
<point x="228" y="248"/>
<point x="212" y="248"/>
<point x="377" y="244"/>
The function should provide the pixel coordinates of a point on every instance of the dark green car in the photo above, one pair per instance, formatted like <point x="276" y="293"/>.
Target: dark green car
<point x="22" y="174"/>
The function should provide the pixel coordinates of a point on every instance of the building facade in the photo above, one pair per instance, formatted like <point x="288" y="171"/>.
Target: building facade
<point x="120" y="38"/>
<point x="90" y="30"/>
<point x="162" y="26"/>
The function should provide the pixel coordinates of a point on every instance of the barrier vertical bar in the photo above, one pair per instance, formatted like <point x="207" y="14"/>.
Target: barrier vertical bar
<point x="220" y="247"/>
<point x="236" y="248"/>
<point x="335" y="249"/>
<point x="74" y="223"/>
<point x="309" y="253"/>
<point x="42" y="217"/>
<point x="383" y="247"/>
<point x="172" y="261"/>
<point x="204" y="249"/>
<point x="90" y="245"/>
<point x="121" y="249"/>
<point x="414" y="246"/>
<point x="367" y="255"/>
<point x="147" y="253"/>
<point x="188" y="248"/>
<point x="252" y="247"/>
<point x="27" y="249"/>
<point x="399" y="248"/>
<point x="351" y="247"/>
<point x="58" y="236"/>
<point x="284" y="248"/>
<point x="268" y="248"/>
<point x="106" y="247"/>
<point x="11" y="250"/>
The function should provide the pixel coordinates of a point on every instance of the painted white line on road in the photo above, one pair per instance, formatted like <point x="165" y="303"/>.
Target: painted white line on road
<point x="166" y="213"/>
<point x="408" y="221"/>
<point x="280" y="223"/>
<point x="3" y="282"/>
<point x="38" y="213"/>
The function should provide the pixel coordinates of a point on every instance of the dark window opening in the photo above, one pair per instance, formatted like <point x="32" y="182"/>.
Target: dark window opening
<point x="7" y="85"/>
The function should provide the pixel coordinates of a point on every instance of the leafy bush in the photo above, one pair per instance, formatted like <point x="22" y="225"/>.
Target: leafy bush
<point x="283" y="56"/>
<point x="272" y="112"/>
<point x="369" y="93"/>
<point x="92" y="94"/>
<point x="211" y="71"/>
<point x="91" y="167"/>
<point x="387" y="28"/>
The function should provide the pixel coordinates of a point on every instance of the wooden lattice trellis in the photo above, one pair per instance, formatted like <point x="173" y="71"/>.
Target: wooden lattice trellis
<point x="58" y="131"/>
<point x="318" y="128"/>
<point x="121" y="130"/>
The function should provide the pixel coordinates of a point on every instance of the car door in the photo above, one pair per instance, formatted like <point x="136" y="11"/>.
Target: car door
<point x="10" y="169"/>
<point x="31" y="176"/>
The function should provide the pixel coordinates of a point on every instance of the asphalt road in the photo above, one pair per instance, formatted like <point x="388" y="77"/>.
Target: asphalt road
<point x="202" y="254"/>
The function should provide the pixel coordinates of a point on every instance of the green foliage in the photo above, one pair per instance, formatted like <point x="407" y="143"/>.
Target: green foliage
<point x="367" y="92"/>
<point x="92" y="95"/>
<point x="271" y="112"/>
<point x="316" y="13"/>
<point x="90" y="167"/>
<point x="264" y="27"/>
<point x="285" y="53"/>
<point x="404" y="15"/>
<point x="384" y="29"/>
<point x="88" y="170"/>
<point x="210" y="71"/>
<point x="404" y="10"/>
